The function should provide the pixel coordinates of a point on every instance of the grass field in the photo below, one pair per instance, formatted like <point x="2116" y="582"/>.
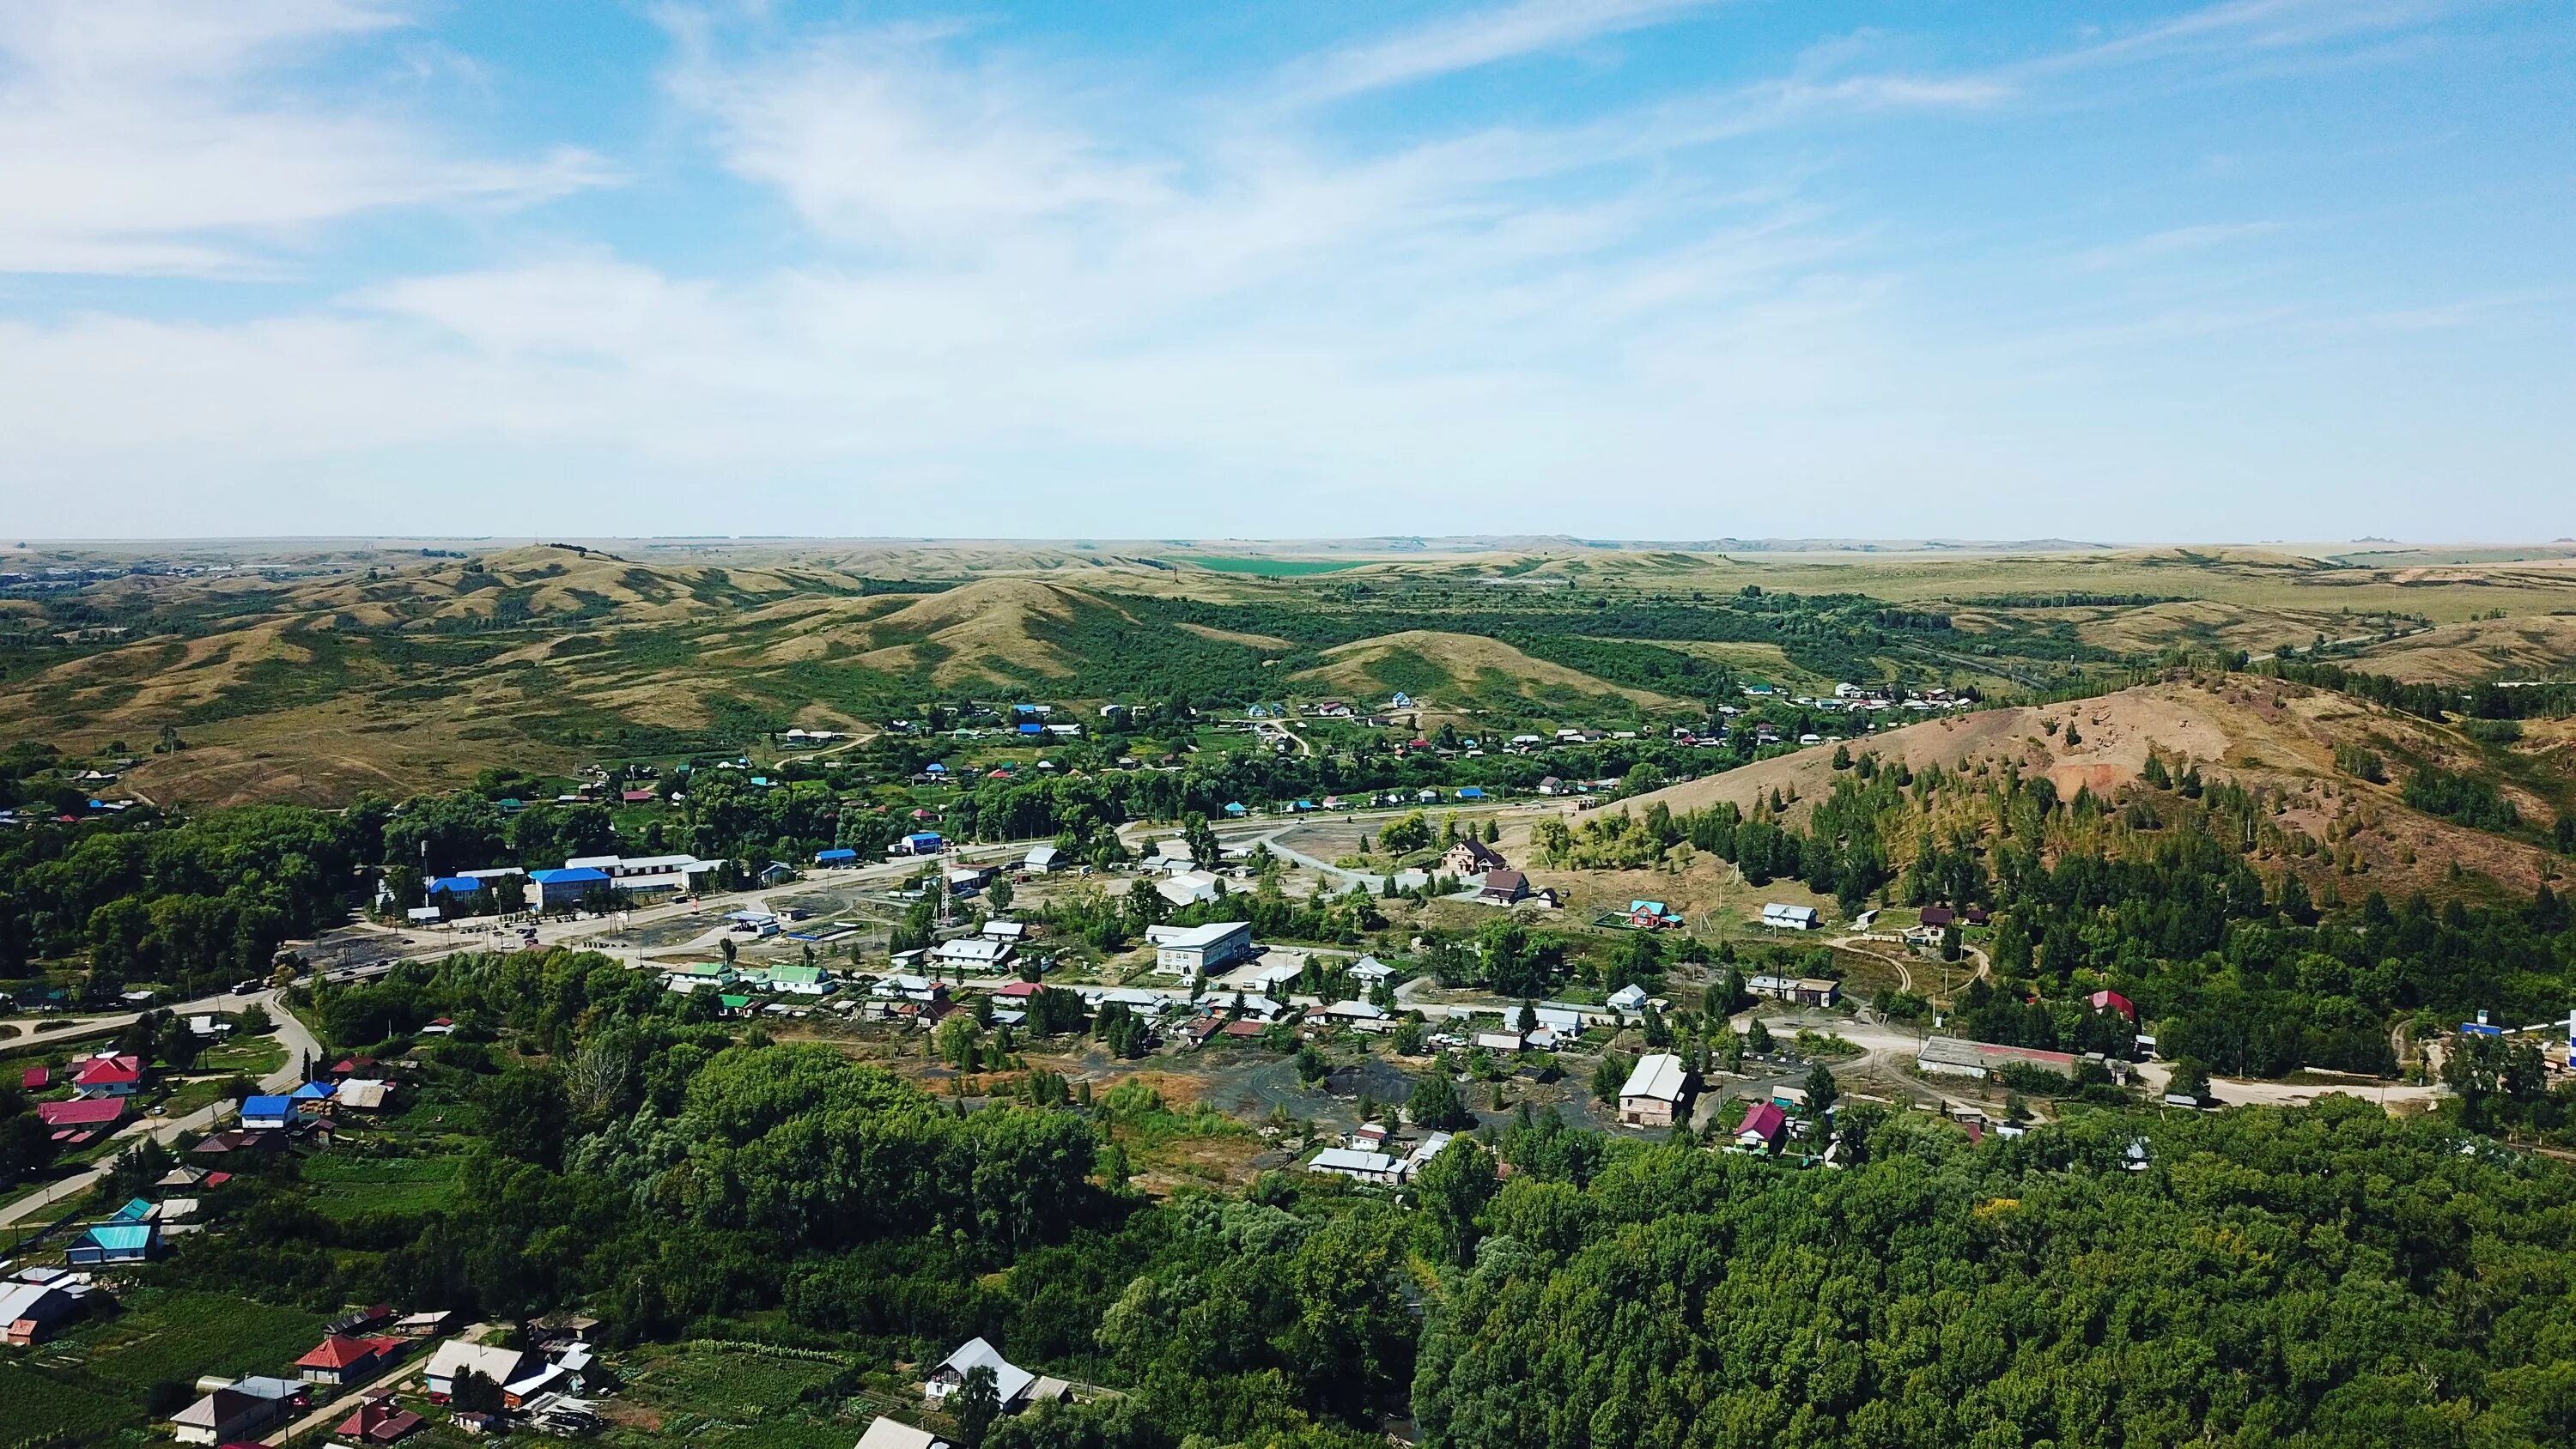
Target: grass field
<point x="36" y="1410"/>
<point x="1271" y="568"/>
<point x="684" y="1394"/>
<point x="346" y="1186"/>
<point x="167" y="1335"/>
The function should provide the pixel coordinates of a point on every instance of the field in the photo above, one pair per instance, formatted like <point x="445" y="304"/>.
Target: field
<point x="181" y="1335"/>
<point x="1272" y="568"/>
<point x="345" y="1185"/>
<point x="35" y="1409"/>
<point x="727" y="1399"/>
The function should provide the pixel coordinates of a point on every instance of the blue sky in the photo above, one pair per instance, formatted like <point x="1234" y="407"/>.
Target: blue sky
<point x="2256" y="269"/>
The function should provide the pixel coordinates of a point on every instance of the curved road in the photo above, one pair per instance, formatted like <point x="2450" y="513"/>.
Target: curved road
<point x="291" y="1034"/>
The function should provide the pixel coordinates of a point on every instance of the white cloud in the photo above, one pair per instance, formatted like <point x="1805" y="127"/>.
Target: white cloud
<point x="1481" y="38"/>
<point x="146" y="137"/>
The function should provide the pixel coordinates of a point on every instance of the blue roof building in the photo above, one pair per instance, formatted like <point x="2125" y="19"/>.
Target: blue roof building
<point x="839" y="855"/>
<point x="1032" y="728"/>
<point x="268" y="1112"/>
<point x="312" y="1092"/>
<point x="454" y="885"/>
<point x="1234" y="807"/>
<point x="1472" y="792"/>
<point x="114" y="1243"/>
<point x="555" y="887"/>
<point x="137" y="1210"/>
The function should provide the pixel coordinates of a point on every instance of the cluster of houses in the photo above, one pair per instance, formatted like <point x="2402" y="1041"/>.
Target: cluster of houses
<point x="538" y="1385"/>
<point x="1376" y="1154"/>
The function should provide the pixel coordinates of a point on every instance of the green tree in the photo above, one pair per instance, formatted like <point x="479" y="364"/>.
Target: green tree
<point x="1822" y="1092"/>
<point x="1435" y="1104"/>
<point x="977" y="1403"/>
<point x="1451" y="1191"/>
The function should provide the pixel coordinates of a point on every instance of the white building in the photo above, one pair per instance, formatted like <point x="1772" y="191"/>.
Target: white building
<point x="1010" y="1381"/>
<point x="1197" y="950"/>
<point x="1654" y="1092"/>
<point x="1189" y="887"/>
<point x="975" y="953"/>
<point x="1794" y="918"/>
<point x="1358" y="1165"/>
<point x="648" y="872"/>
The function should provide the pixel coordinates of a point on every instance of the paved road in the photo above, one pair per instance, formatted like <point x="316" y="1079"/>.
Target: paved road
<point x="291" y="1034"/>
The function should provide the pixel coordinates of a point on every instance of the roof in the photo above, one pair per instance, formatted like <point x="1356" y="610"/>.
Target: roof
<point x="1351" y="1159"/>
<point x="1009" y="1380"/>
<point x="312" y="1092"/>
<point x="1781" y="910"/>
<point x="339" y="1351"/>
<point x="217" y="1409"/>
<point x="972" y="949"/>
<point x="493" y="1362"/>
<point x="120" y="1237"/>
<point x="108" y="1071"/>
<point x="1505" y="882"/>
<point x="1199" y="938"/>
<point x="459" y="885"/>
<point x="887" y="1433"/>
<point x="1658" y="1075"/>
<point x="1763" y="1120"/>
<point x="95" y="1112"/>
<point x="2114" y="1001"/>
<point x="837" y="853"/>
<point x="570" y="875"/>
<point x="1364" y="1010"/>
<point x="1629" y="995"/>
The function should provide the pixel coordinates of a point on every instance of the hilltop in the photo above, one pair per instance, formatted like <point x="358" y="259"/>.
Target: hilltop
<point x="2295" y="749"/>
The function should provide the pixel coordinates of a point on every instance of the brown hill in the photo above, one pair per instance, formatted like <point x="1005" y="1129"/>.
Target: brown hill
<point x="2536" y="647"/>
<point x="1447" y="670"/>
<point x="2278" y="739"/>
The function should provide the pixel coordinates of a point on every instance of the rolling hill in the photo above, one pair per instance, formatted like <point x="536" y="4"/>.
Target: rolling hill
<point x="2278" y="740"/>
<point x="1451" y="672"/>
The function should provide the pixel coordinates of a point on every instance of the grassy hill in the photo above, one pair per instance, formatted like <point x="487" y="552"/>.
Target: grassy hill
<point x="350" y="668"/>
<point x="2314" y="781"/>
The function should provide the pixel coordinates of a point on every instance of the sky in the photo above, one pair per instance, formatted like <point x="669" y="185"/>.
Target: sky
<point x="1636" y="269"/>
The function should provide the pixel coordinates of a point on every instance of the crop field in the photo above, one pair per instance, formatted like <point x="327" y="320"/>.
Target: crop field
<point x="180" y="1336"/>
<point x="345" y="1185"/>
<point x="727" y="1399"/>
<point x="35" y="1409"/>
<point x="1272" y="568"/>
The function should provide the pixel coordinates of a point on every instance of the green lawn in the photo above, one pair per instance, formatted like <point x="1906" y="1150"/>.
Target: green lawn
<point x="36" y="1410"/>
<point x="182" y="1335"/>
<point x="343" y="1186"/>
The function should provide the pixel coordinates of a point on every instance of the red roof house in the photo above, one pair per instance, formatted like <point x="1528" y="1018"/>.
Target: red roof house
<point x="380" y="1421"/>
<point x="36" y="1079"/>
<point x="92" y="1112"/>
<point x="2114" y="1001"/>
<point x="341" y="1359"/>
<point x="1939" y="915"/>
<point x="1763" y="1124"/>
<point x="108" y="1076"/>
<point x="1019" y="990"/>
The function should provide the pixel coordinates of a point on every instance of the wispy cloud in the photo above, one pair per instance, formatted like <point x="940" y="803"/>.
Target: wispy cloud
<point x="145" y="137"/>
<point x="1479" y="38"/>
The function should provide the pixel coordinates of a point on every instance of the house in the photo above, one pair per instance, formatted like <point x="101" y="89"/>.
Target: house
<point x="344" y="1359"/>
<point x="1009" y="1380"/>
<point x="1656" y="1089"/>
<point x="973" y="953"/>
<point x="1501" y="1041"/>
<point x="108" y="1076"/>
<point x="1365" y="1015"/>
<point x="1503" y="888"/>
<point x="919" y="842"/>
<point x="838" y="857"/>
<point x="965" y="880"/>
<point x="1189" y="888"/>
<point x="1952" y="1057"/>
<point x="456" y="1358"/>
<point x="1651" y="915"/>
<point x="885" y="1433"/>
<point x="1005" y="930"/>
<point x="1552" y="785"/>
<point x="1358" y="1164"/>
<point x="1369" y="971"/>
<point x="114" y="1243"/>
<point x="1760" y="1131"/>
<point x="777" y="872"/>
<point x="1938" y="916"/>
<point x="379" y="1421"/>
<point x="1790" y="918"/>
<point x="800" y="980"/>
<point x="1803" y="990"/>
<point x="225" y="1416"/>
<point x="1471" y="857"/>
<point x="31" y="1311"/>
<point x="36" y="1079"/>
<point x="2114" y="1001"/>
<point x="1628" y="1000"/>
<point x="1189" y="951"/>
<point x="95" y="1115"/>
<point x="1471" y="792"/>
<point x="646" y="873"/>
<point x="1040" y="860"/>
